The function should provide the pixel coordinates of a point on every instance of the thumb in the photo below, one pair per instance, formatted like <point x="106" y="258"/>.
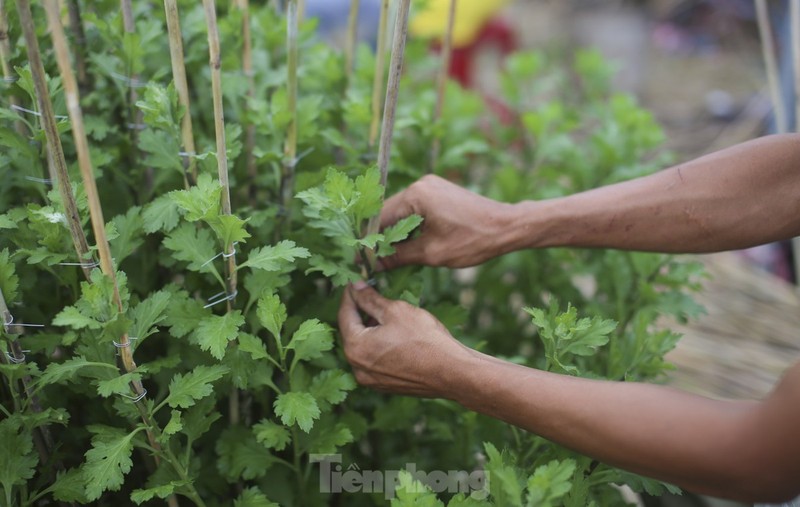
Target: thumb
<point x="369" y="301"/>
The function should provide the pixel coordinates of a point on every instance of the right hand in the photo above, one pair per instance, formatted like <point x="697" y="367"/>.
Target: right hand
<point x="460" y="228"/>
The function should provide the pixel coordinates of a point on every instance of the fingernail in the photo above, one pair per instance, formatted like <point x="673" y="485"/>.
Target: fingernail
<point x="360" y="285"/>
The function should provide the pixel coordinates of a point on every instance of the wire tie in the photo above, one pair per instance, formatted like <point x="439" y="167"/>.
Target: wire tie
<point x="10" y="321"/>
<point x="35" y="113"/>
<point x="17" y="360"/>
<point x="133" y="83"/>
<point x="10" y="79"/>
<point x="46" y="181"/>
<point x="135" y="399"/>
<point x="89" y="265"/>
<point x="220" y="297"/>
<point x="137" y="126"/>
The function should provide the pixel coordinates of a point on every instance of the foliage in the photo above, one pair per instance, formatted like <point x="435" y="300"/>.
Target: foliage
<point x="241" y="394"/>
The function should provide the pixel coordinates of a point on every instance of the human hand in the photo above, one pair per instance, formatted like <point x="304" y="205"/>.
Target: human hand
<point x="408" y="351"/>
<point x="460" y="228"/>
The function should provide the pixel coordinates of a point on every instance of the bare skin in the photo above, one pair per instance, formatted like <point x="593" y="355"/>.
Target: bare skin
<point x="742" y="196"/>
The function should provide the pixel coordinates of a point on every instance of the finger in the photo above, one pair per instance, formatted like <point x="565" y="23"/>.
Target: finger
<point x="350" y="323"/>
<point x="395" y="208"/>
<point x="369" y="301"/>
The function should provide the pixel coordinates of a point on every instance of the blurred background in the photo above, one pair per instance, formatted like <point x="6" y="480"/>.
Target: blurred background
<point x="698" y="66"/>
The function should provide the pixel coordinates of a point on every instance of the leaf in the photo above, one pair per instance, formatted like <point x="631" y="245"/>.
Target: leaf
<point x="192" y="245"/>
<point x="130" y="227"/>
<point x="272" y="314"/>
<point x="8" y="277"/>
<point x="253" y="497"/>
<point x="229" y="229"/>
<point x="297" y="407"/>
<point x="252" y="345"/>
<point x="148" y="313"/>
<point x="412" y="493"/>
<point x="310" y="340"/>
<point x="160" y="215"/>
<point x="59" y="372"/>
<point x="275" y="258"/>
<point x="550" y="482"/>
<point x="198" y="419"/>
<point x="107" y="462"/>
<point x="330" y="387"/>
<point x="118" y="384"/>
<point x="162" y="150"/>
<point x="69" y="487"/>
<point x="7" y="223"/>
<point x="240" y="456"/>
<point x="183" y="315"/>
<point x="328" y="438"/>
<point x="139" y="496"/>
<point x="17" y="461"/>
<point x="271" y="435"/>
<point x="214" y="332"/>
<point x="396" y="233"/>
<point x="72" y="317"/>
<point x="200" y="202"/>
<point x="340" y="274"/>
<point x="174" y="425"/>
<point x="184" y="390"/>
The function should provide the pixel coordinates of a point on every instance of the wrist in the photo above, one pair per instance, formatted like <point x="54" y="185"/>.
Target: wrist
<point x="537" y="224"/>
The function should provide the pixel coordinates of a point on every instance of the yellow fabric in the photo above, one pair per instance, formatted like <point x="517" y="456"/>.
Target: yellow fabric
<point x="430" y="20"/>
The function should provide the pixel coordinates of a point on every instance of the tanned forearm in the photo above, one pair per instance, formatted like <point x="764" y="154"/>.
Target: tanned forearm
<point x="742" y="450"/>
<point x="739" y="197"/>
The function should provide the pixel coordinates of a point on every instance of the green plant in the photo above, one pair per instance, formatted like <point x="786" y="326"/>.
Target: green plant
<point x="242" y="387"/>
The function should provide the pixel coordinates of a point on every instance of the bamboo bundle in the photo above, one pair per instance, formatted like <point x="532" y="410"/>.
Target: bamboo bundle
<point x="748" y="337"/>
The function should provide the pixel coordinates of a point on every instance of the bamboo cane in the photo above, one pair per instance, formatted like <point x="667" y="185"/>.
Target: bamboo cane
<point x="247" y="69"/>
<point x="290" y="144"/>
<point x="441" y="84"/>
<point x="389" y="109"/>
<point x="219" y="130"/>
<point x="76" y="26"/>
<point x="182" y="87"/>
<point x="129" y="25"/>
<point x="794" y="13"/>
<point x="768" y="50"/>
<point x="377" y="83"/>
<point x="54" y="149"/>
<point x="352" y="39"/>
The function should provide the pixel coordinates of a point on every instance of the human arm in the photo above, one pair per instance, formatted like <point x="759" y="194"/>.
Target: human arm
<point x="748" y="451"/>
<point x="742" y="196"/>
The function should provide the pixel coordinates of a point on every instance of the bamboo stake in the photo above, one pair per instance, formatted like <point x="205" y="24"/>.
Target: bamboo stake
<point x="290" y="145"/>
<point x="352" y="39"/>
<point x="377" y="83"/>
<point x="5" y="58"/>
<point x="54" y="149"/>
<point x="768" y="50"/>
<point x="76" y="26"/>
<point x="182" y="87"/>
<point x="794" y="13"/>
<point x="129" y="25"/>
<point x="219" y="130"/>
<point x="389" y="109"/>
<point x="247" y="68"/>
<point x="301" y="9"/>
<point x="441" y="84"/>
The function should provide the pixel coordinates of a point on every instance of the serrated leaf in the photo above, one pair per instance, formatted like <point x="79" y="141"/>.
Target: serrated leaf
<point x="550" y="482"/>
<point x="72" y="317"/>
<point x="214" y="332"/>
<point x="297" y="407"/>
<point x="130" y="227"/>
<point x="272" y="314"/>
<point x="330" y="387"/>
<point x="17" y="460"/>
<point x="7" y="223"/>
<point x="59" y="372"/>
<point x="253" y="497"/>
<point x="69" y="487"/>
<point x="193" y="245"/>
<point x="328" y="438"/>
<point x="8" y="277"/>
<point x="139" y="496"/>
<point x="185" y="390"/>
<point x="339" y="273"/>
<point x="272" y="435"/>
<point x="253" y="346"/>
<point x="160" y="215"/>
<point x="183" y="314"/>
<point x="240" y="456"/>
<point x="310" y="340"/>
<point x="148" y="313"/>
<point x="200" y="202"/>
<point x="174" y="425"/>
<point x="278" y="257"/>
<point x="396" y="233"/>
<point x="107" y="462"/>
<point x="198" y="419"/>
<point x="117" y="385"/>
<point x="229" y="229"/>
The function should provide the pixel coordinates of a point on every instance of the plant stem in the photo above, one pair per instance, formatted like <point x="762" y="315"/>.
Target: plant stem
<point x="768" y="49"/>
<point x="290" y="145"/>
<point x="5" y="58"/>
<point x="76" y="26"/>
<point x="352" y="39"/>
<point x="182" y="87"/>
<point x="247" y="69"/>
<point x="441" y="84"/>
<point x="54" y="149"/>
<point x="377" y="83"/>
<point x="389" y="109"/>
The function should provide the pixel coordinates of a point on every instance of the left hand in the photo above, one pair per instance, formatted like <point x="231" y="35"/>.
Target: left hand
<point x="408" y="351"/>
